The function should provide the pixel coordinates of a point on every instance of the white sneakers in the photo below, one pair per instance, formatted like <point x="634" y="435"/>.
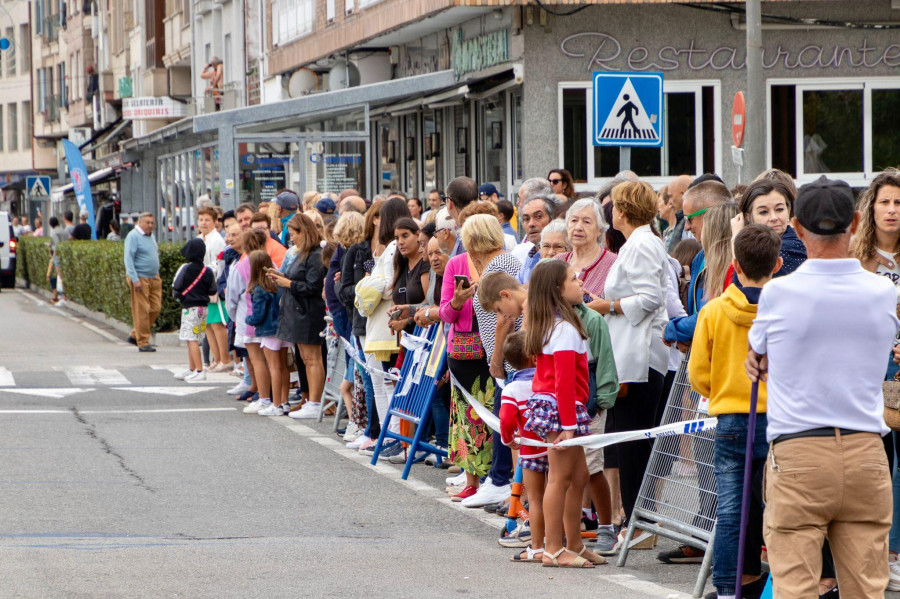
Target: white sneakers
<point x="196" y="377"/>
<point x="488" y="494"/>
<point x="308" y="411"/>
<point x="458" y="480"/>
<point x="894" y="563"/>
<point x="241" y="387"/>
<point x="271" y="410"/>
<point x="184" y="374"/>
<point x="358" y="442"/>
<point x="255" y="406"/>
<point x="352" y="433"/>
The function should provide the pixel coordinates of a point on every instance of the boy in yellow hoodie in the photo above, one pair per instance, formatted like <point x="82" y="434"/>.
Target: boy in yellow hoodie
<point x="716" y="371"/>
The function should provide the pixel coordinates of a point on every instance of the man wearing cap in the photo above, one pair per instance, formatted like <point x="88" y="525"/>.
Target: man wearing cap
<point x="325" y="207"/>
<point x="82" y="230"/>
<point x="819" y="341"/>
<point x="288" y="204"/>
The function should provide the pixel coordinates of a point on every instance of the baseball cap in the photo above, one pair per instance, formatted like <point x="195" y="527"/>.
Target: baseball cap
<point x="443" y="221"/>
<point x="825" y="206"/>
<point x="489" y="189"/>
<point x="83" y="214"/>
<point x="287" y="200"/>
<point x="325" y="206"/>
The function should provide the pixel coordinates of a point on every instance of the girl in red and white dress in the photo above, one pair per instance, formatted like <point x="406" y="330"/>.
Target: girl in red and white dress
<point x="556" y="410"/>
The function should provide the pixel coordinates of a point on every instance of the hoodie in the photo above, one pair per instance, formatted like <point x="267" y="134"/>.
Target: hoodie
<point x="716" y="366"/>
<point x="194" y="252"/>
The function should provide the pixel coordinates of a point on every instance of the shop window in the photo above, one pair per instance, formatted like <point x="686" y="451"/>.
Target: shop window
<point x="432" y="146"/>
<point x="516" y="105"/>
<point x="842" y="127"/>
<point x="491" y="142"/>
<point x="689" y="139"/>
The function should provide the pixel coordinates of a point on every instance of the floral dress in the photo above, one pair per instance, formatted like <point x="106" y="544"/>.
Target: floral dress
<point x="470" y="438"/>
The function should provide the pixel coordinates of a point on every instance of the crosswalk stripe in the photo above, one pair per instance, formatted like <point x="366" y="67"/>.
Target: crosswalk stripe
<point x="52" y="392"/>
<point x="6" y="378"/>
<point x="95" y="375"/>
<point x="176" y="391"/>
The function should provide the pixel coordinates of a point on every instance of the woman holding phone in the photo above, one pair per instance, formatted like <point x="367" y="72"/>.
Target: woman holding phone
<point x="471" y="344"/>
<point x="411" y="276"/>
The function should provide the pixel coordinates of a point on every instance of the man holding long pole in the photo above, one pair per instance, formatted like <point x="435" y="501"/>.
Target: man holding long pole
<point x="819" y="341"/>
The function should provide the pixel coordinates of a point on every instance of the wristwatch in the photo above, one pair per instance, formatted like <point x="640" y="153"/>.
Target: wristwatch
<point x="612" y="308"/>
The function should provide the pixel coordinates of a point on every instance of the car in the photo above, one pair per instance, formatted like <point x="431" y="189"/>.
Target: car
<point x="8" y="245"/>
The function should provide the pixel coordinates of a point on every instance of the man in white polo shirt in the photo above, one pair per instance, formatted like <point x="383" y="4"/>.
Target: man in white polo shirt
<point x="820" y="337"/>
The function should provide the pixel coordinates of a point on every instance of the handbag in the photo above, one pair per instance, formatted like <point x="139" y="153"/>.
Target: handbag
<point x="465" y="346"/>
<point x="891" y="391"/>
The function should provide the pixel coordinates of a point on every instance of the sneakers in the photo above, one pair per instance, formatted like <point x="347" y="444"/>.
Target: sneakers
<point x="894" y="564"/>
<point x="456" y="481"/>
<point x="358" y="442"/>
<point x="143" y="349"/>
<point x="367" y="446"/>
<point x="238" y="389"/>
<point x="606" y="540"/>
<point x="520" y="537"/>
<point x="255" y="406"/>
<point x="184" y="374"/>
<point x="352" y="433"/>
<point x="466" y="493"/>
<point x="272" y="410"/>
<point x="685" y="554"/>
<point x="754" y="590"/>
<point x="488" y="494"/>
<point x="431" y="460"/>
<point x="391" y="450"/>
<point x="309" y="411"/>
<point x="222" y="367"/>
<point x="198" y="376"/>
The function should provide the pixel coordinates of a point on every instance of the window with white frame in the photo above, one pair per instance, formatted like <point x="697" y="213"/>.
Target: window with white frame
<point x="365" y="3"/>
<point x="841" y="127"/>
<point x="292" y="19"/>
<point x="692" y="121"/>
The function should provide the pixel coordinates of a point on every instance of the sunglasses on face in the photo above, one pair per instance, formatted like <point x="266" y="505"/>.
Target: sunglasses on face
<point x="555" y="181"/>
<point x="692" y="215"/>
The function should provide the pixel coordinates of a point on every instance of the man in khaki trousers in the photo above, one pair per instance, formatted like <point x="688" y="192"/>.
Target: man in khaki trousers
<point x="820" y="338"/>
<point x="142" y="270"/>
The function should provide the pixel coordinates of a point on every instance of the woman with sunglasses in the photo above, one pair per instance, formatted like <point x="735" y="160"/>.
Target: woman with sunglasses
<point x="562" y="182"/>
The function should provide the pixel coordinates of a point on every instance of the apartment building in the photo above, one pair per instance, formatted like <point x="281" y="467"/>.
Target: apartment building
<point x="20" y="156"/>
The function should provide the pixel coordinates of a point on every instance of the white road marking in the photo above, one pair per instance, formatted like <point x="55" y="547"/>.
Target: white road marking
<point x="423" y="488"/>
<point x="176" y="391"/>
<point x="159" y="411"/>
<point x="101" y="332"/>
<point x="6" y="378"/>
<point x="94" y="375"/>
<point x="63" y="313"/>
<point x="212" y="378"/>
<point x="52" y="392"/>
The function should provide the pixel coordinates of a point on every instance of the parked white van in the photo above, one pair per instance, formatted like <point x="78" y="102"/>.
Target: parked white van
<point x="7" y="252"/>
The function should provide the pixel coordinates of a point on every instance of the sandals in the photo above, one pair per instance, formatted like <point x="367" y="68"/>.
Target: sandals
<point x="534" y="556"/>
<point x="579" y="561"/>
<point x="597" y="560"/>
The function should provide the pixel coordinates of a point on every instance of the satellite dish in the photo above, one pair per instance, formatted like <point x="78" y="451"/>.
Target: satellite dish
<point x="343" y="75"/>
<point x="302" y="82"/>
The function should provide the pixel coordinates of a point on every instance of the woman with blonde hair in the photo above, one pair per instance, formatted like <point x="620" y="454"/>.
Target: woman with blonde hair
<point x="716" y="242"/>
<point x="309" y="200"/>
<point x="474" y="335"/>
<point x="318" y="221"/>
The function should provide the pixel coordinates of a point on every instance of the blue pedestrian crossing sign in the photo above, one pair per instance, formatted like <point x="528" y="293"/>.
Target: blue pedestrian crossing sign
<point x="628" y="109"/>
<point x="37" y="186"/>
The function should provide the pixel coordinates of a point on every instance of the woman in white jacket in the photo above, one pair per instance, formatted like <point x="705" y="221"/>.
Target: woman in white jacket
<point x="635" y="306"/>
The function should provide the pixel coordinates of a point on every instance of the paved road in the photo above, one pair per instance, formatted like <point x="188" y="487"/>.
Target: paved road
<point x="119" y="481"/>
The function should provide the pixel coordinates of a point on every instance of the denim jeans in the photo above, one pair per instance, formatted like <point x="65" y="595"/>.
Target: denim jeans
<point x="894" y="538"/>
<point x="730" y="450"/>
<point x="440" y="416"/>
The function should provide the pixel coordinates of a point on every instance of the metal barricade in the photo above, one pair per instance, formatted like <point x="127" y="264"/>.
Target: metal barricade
<point x="677" y="499"/>
<point x="335" y="367"/>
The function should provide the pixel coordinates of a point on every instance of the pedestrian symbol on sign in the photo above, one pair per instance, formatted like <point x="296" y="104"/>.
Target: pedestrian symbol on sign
<point x="37" y="186"/>
<point x="628" y="109"/>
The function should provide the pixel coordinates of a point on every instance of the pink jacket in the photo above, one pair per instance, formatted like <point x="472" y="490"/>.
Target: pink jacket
<point x="459" y="320"/>
<point x="243" y="268"/>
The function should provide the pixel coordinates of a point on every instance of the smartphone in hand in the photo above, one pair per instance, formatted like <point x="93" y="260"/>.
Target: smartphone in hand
<point x="462" y="279"/>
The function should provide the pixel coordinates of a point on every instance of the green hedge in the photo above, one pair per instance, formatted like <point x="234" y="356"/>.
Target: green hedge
<point x="94" y="276"/>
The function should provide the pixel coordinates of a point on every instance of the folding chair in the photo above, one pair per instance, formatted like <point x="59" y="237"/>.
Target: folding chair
<point x="423" y="366"/>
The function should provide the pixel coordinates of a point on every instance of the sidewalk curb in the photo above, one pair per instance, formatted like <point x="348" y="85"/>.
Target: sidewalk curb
<point x="161" y="339"/>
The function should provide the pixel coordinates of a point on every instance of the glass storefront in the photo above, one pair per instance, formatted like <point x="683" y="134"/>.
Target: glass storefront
<point x="183" y="179"/>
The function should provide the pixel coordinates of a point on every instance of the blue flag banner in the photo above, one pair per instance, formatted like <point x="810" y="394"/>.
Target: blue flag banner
<point x="80" y="182"/>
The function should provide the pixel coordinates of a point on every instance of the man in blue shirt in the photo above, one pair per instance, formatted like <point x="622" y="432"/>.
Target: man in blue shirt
<point x="142" y="270"/>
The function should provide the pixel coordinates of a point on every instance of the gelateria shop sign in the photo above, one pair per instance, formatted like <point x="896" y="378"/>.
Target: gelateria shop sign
<point x="467" y="56"/>
<point x="601" y="51"/>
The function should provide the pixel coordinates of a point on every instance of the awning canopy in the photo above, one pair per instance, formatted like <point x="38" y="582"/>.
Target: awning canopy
<point x="103" y="174"/>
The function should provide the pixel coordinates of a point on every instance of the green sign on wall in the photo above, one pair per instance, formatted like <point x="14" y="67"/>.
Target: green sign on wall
<point x="126" y="88"/>
<point x="467" y="56"/>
